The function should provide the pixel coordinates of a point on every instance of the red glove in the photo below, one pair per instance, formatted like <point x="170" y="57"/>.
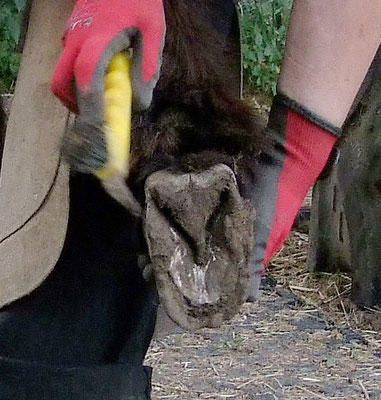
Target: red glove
<point x="301" y="149"/>
<point x="96" y="30"/>
<point x="308" y="147"/>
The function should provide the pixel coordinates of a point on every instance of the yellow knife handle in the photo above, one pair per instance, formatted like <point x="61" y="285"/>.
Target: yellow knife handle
<point x="117" y="117"/>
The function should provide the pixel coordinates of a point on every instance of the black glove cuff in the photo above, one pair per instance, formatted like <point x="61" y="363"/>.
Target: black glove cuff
<point x="281" y="99"/>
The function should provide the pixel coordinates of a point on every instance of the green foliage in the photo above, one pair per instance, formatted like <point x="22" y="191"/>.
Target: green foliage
<point x="264" y="26"/>
<point x="10" y="22"/>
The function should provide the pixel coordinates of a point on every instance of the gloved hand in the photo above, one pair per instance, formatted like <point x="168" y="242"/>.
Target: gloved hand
<point x="96" y="31"/>
<point x="301" y="146"/>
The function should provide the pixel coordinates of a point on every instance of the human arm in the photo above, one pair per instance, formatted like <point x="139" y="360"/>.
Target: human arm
<point x="329" y="48"/>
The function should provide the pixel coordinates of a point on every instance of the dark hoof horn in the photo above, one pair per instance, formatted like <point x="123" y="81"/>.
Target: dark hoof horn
<point x="199" y="232"/>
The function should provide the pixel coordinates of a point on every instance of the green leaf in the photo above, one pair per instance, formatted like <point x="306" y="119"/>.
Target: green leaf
<point x="273" y="88"/>
<point x="20" y="4"/>
<point x="13" y="26"/>
<point x="14" y="63"/>
<point x="269" y="51"/>
<point x="258" y="40"/>
<point x="257" y="70"/>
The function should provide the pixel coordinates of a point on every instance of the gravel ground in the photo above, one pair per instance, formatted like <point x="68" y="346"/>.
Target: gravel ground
<point x="303" y="340"/>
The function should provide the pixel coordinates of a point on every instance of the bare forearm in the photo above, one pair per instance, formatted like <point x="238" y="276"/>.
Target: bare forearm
<point x="329" y="49"/>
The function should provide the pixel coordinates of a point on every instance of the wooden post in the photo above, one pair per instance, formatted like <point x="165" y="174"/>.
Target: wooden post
<point x="345" y="228"/>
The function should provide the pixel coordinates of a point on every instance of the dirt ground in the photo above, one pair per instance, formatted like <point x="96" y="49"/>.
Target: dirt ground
<point x="304" y="340"/>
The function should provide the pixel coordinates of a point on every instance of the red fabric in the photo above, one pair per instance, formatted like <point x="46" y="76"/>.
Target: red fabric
<point x="308" y="147"/>
<point x="91" y="27"/>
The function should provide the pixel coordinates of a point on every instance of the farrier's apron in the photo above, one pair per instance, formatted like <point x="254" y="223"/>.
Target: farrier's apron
<point x="34" y="198"/>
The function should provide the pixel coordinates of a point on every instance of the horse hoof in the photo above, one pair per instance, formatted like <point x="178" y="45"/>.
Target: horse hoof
<point x="199" y="232"/>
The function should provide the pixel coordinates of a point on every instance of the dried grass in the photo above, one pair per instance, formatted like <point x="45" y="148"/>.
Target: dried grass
<point x="325" y="291"/>
<point x="321" y="347"/>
